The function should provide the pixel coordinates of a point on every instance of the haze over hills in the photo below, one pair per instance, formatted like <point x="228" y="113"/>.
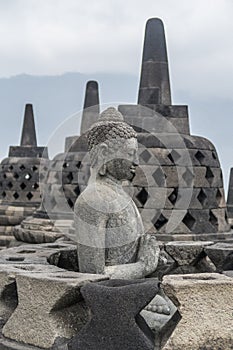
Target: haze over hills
<point x="55" y="98"/>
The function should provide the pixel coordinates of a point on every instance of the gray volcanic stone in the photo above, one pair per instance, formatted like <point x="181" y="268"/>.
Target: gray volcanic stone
<point x="230" y="199"/>
<point x="221" y="254"/>
<point x="8" y="288"/>
<point x="50" y="307"/>
<point x="186" y="253"/>
<point x="205" y="303"/>
<point x="19" y="179"/>
<point x="115" y="322"/>
<point x="154" y="83"/>
<point x="91" y="106"/>
<point x="61" y="254"/>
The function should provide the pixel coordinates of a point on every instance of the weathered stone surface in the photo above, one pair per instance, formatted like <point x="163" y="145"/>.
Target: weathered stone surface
<point x="19" y="176"/>
<point x="221" y="254"/>
<point x="154" y="83"/>
<point x="108" y="226"/>
<point x="41" y="230"/>
<point x="117" y="325"/>
<point x="228" y="273"/>
<point x="205" y="304"/>
<point x="8" y="288"/>
<point x="170" y="157"/>
<point x="162" y="317"/>
<point x="50" y="307"/>
<point x="60" y="254"/>
<point x="91" y="106"/>
<point x="187" y="253"/>
<point x="230" y="199"/>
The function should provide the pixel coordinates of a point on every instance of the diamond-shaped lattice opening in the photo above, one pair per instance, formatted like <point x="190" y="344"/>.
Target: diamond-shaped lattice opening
<point x="145" y="155"/>
<point x="9" y="185"/>
<point x="173" y="196"/>
<point x="29" y="196"/>
<point x="142" y="196"/>
<point x="23" y="186"/>
<point x="22" y="167"/>
<point x="4" y="175"/>
<point x="188" y="176"/>
<point x="27" y="176"/>
<point x="159" y="177"/>
<point x="189" y="221"/>
<point x="226" y="216"/>
<point x="77" y="190"/>
<point x="213" y="220"/>
<point x="11" y="167"/>
<point x="202" y="197"/>
<point x="16" y="176"/>
<point x="35" y="186"/>
<point x="78" y="164"/>
<point x="173" y="156"/>
<point x="218" y="197"/>
<point x="3" y="194"/>
<point x="199" y="156"/>
<point x="209" y="175"/>
<point x="16" y="195"/>
<point x="214" y="155"/>
<point x="70" y="202"/>
<point x="70" y="177"/>
<point x="34" y="168"/>
<point x="160" y="222"/>
<point x="66" y="165"/>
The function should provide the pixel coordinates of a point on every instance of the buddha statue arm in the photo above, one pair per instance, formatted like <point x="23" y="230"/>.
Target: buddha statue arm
<point x="147" y="261"/>
<point x="90" y="228"/>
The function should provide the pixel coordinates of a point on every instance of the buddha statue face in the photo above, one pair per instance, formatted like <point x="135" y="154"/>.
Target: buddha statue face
<point x="113" y="147"/>
<point x="122" y="163"/>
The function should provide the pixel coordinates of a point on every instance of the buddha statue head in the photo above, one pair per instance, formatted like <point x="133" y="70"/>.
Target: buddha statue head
<point x="113" y="147"/>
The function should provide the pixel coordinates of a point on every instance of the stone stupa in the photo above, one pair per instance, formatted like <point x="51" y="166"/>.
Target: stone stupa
<point x="179" y="186"/>
<point x="19" y="179"/>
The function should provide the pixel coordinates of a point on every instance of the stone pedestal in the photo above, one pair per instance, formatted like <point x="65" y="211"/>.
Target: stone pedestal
<point x="205" y="304"/>
<point x="61" y="254"/>
<point x="50" y="308"/>
<point x="115" y="323"/>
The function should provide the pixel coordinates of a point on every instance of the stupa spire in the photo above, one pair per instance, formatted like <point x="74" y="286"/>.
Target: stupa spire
<point x="154" y="83"/>
<point x="28" y="137"/>
<point x="91" y="106"/>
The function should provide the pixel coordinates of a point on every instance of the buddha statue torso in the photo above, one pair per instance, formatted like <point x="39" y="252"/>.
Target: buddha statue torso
<point x="105" y="204"/>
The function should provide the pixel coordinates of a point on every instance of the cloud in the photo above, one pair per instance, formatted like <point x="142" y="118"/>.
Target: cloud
<point x="52" y="37"/>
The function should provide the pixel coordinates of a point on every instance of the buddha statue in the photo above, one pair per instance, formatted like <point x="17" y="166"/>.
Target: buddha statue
<point x="108" y="227"/>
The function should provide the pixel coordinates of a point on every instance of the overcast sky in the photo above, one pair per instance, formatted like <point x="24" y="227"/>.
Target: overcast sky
<point x="57" y="36"/>
<point x="51" y="37"/>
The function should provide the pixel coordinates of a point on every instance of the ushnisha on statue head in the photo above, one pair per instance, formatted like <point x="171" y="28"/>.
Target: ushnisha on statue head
<point x="113" y="146"/>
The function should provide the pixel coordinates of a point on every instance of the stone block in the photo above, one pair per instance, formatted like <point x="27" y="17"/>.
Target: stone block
<point x="171" y="111"/>
<point x="187" y="253"/>
<point x="8" y="289"/>
<point x="50" y="306"/>
<point x="221" y="254"/>
<point x="115" y="322"/>
<point x="63" y="255"/>
<point x="205" y="304"/>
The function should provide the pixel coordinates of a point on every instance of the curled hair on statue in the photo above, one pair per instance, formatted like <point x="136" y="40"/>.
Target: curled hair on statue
<point x="110" y="126"/>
